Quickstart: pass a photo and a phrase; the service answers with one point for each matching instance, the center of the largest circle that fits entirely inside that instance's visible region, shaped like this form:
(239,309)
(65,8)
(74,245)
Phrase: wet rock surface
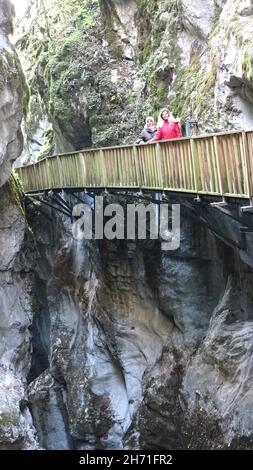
(147,350)
(16,427)
(121,61)
(110,345)
(11,96)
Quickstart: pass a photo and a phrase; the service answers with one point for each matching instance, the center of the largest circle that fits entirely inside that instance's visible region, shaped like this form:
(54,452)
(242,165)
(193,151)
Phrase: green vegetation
(147,7)
(159,53)
(33,303)
(48,146)
(6,420)
(11,73)
(25,88)
(193,88)
(248,67)
(71,80)
(82,12)
(69,72)
(86,86)
(16,192)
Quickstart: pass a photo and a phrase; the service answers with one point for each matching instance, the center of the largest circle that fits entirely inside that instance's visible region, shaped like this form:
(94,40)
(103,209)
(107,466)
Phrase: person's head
(149,122)
(165,114)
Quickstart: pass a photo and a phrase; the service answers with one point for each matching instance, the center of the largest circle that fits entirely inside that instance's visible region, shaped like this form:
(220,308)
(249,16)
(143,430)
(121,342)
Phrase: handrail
(88,149)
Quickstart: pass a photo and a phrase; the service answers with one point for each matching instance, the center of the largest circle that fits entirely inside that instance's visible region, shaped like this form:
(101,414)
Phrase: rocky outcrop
(16,428)
(105,331)
(120,61)
(197,17)
(89,98)
(11,96)
(199,59)
(132,347)
(203,401)
(218,384)
(120,17)
(147,350)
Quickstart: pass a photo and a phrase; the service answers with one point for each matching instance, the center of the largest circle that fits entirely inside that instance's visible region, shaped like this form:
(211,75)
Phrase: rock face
(144,349)
(218,383)
(231,45)
(121,16)
(202,61)
(123,345)
(132,347)
(11,96)
(119,61)
(105,330)
(84,85)
(206,398)
(16,428)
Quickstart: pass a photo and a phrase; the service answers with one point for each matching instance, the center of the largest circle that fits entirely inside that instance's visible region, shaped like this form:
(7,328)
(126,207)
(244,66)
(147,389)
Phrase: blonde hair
(171,117)
(160,119)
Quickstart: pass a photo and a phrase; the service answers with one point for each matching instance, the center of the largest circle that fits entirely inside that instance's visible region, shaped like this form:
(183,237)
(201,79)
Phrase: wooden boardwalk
(212,164)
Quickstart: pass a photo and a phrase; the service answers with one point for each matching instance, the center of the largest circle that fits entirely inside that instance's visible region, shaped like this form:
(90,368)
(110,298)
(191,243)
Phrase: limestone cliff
(11,96)
(84,87)
(136,348)
(16,428)
(97,68)
(110,345)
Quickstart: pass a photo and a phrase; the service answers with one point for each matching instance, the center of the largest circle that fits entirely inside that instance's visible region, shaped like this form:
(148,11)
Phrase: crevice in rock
(40,331)
(242,87)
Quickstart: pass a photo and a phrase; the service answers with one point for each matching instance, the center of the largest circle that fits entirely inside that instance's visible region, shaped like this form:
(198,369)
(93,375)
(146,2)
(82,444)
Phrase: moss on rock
(6,420)
(160,54)
(88,87)
(71,71)
(11,73)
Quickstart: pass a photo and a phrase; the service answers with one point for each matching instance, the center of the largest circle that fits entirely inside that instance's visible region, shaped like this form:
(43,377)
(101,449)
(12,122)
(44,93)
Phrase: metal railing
(213,164)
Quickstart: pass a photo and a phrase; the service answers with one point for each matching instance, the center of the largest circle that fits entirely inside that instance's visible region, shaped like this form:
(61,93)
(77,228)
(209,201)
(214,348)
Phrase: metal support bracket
(219,203)
(246,209)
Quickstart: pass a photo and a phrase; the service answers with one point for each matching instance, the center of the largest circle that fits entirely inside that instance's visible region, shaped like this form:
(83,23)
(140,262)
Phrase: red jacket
(169,130)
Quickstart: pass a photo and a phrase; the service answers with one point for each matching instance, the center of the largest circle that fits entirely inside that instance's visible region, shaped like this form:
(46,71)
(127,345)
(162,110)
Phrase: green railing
(212,164)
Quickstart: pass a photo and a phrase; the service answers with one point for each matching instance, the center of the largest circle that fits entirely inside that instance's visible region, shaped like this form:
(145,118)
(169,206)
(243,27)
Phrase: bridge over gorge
(217,164)
(213,171)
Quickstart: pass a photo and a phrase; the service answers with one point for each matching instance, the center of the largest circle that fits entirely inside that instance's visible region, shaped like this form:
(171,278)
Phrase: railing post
(82,168)
(159,161)
(60,171)
(216,152)
(19,172)
(195,163)
(103,168)
(48,173)
(248,184)
(138,181)
(33,179)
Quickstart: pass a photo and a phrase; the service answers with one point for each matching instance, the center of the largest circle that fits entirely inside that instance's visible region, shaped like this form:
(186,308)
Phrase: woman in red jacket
(169,128)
